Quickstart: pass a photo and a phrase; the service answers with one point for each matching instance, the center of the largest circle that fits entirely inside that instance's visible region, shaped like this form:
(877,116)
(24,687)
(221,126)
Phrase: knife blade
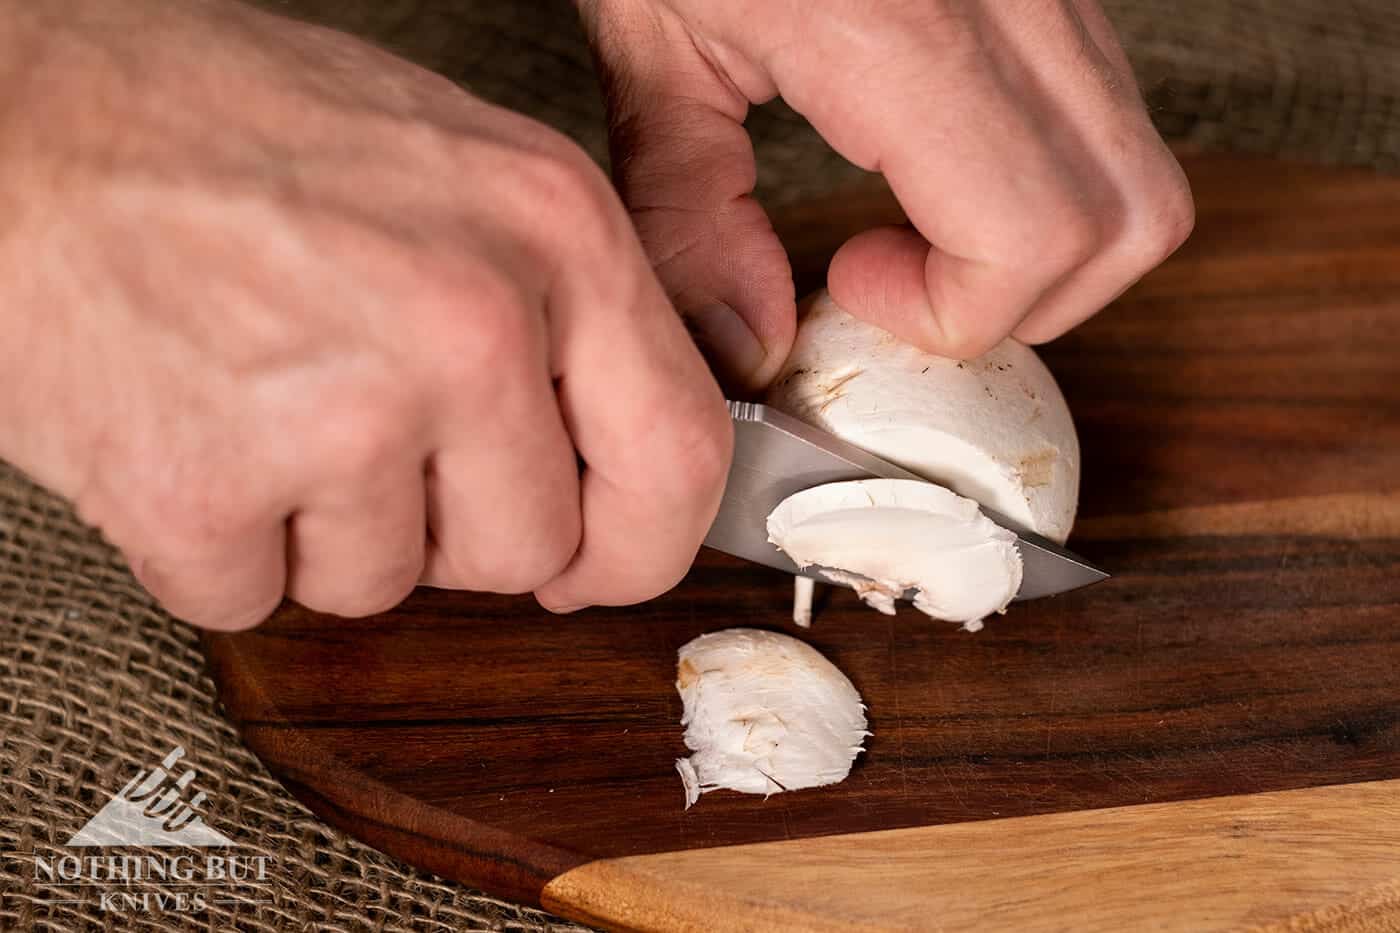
(775,455)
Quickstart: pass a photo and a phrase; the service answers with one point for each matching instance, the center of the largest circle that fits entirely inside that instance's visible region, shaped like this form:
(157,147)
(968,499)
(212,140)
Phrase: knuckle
(196,514)
(352,572)
(1071,243)
(366,599)
(551,557)
(702,447)
(358,437)
(535,562)
(372,590)
(1166,227)
(653,575)
(193,597)
(507,330)
(482,321)
(667,576)
(522,541)
(533,567)
(583,207)
(1044,252)
(522,567)
(240,620)
(638,574)
(561,176)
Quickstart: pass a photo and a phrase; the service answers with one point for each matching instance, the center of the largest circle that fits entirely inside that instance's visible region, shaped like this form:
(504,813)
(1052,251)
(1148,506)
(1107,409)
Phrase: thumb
(684,166)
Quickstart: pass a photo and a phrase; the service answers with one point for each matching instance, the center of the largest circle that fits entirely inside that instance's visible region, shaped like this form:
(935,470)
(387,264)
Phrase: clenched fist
(285,314)
(1011,131)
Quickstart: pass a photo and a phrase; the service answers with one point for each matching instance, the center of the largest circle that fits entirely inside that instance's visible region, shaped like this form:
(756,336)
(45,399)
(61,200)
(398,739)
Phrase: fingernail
(565,610)
(734,353)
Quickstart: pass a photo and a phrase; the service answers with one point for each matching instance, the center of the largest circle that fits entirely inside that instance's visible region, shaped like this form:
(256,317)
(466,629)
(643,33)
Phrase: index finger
(647,419)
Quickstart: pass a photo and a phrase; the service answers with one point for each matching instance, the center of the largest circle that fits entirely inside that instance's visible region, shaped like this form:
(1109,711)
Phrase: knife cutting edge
(776,455)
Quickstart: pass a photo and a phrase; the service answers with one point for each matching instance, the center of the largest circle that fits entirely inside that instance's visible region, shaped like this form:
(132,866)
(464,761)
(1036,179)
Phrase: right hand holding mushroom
(285,314)
(1013,135)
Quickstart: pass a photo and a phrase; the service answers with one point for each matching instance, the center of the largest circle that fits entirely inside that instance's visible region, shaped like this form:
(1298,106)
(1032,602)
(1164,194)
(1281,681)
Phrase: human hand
(1012,133)
(285,314)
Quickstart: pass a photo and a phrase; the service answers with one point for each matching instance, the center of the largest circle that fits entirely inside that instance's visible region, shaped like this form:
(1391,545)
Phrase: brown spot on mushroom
(686,674)
(1038,469)
(832,390)
(792,374)
(835,386)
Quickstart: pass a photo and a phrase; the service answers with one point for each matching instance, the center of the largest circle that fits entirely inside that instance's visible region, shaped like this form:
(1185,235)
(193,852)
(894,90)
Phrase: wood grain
(1239,414)
(1318,858)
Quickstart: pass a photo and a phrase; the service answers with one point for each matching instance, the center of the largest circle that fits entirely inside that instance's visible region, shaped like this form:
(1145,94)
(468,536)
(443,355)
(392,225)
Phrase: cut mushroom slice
(884,537)
(764,713)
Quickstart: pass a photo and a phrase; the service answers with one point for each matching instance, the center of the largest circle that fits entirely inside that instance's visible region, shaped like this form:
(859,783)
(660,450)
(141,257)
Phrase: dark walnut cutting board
(1209,740)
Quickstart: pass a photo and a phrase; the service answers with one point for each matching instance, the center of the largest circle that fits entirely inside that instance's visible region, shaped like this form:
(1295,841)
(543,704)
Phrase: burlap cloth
(95,680)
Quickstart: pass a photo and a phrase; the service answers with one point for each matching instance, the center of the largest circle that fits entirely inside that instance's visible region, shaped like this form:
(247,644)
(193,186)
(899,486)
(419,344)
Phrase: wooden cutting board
(1232,694)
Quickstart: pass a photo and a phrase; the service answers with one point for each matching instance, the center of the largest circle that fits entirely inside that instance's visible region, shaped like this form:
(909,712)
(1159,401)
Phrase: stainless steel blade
(775,455)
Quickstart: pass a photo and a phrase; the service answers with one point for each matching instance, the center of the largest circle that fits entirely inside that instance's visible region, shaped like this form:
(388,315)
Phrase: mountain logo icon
(150,811)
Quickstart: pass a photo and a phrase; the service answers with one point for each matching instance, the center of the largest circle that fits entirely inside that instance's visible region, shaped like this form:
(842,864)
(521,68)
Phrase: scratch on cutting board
(952,785)
(787,828)
(1123,775)
(1290,543)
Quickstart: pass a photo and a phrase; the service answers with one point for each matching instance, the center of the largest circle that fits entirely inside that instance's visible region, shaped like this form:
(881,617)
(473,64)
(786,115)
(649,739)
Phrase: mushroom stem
(802,590)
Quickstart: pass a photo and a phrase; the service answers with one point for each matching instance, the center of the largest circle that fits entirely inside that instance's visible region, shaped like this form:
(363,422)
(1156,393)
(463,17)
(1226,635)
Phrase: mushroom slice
(883,537)
(764,713)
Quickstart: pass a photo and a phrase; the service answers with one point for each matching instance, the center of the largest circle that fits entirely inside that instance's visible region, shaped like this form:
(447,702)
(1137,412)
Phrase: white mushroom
(994,429)
(885,536)
(764,713)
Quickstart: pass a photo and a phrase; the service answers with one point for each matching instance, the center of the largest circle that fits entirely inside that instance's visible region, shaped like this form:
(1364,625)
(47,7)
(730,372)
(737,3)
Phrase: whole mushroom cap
(994,429)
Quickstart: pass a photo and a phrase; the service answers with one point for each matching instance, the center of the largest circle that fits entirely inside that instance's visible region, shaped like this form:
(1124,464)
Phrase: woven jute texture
(1306,79)
(95,681)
